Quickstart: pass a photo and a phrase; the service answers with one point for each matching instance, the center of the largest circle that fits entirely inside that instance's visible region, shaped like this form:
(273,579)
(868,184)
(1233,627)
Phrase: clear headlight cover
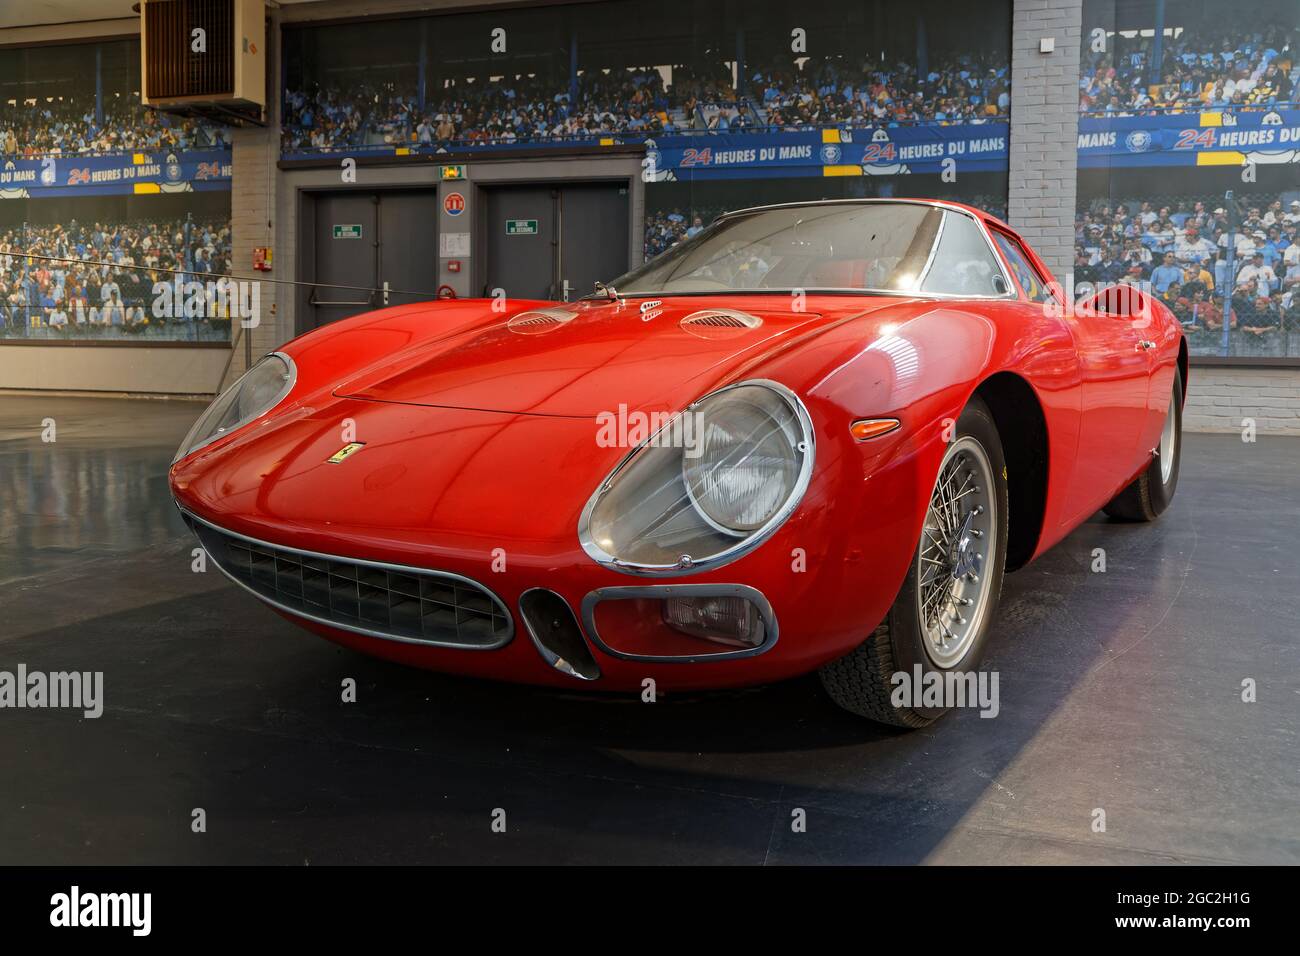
(709,486)
(256,392)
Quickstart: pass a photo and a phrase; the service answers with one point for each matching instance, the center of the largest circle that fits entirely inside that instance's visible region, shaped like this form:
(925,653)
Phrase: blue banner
(133,173)
(878,151)
(883,151)
(1190,139)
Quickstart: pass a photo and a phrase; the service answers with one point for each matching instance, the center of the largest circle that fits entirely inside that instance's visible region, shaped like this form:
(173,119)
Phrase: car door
(1114,373)
(1115,361)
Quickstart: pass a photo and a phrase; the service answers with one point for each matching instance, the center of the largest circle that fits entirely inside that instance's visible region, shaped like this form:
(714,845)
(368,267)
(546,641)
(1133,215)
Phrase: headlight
(256,392)
(706,488)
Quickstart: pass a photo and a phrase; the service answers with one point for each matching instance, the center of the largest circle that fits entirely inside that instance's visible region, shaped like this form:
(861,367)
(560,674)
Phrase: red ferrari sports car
(810,438)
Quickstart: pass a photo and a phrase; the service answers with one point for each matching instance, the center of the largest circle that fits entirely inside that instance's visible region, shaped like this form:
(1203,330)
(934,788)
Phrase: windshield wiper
(610,292)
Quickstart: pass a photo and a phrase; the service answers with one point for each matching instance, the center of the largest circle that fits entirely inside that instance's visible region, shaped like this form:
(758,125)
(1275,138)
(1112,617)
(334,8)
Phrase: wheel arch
(1182,367)
(1022,426)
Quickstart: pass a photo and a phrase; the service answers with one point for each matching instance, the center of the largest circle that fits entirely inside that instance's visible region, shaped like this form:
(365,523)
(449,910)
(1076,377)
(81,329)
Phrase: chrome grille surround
(388,601)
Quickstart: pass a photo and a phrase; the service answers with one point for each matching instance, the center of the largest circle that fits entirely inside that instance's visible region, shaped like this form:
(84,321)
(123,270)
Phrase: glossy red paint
(479,438)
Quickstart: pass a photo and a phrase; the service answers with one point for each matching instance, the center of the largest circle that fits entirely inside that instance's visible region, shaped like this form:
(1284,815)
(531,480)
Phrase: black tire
(860,682)
(1150,494)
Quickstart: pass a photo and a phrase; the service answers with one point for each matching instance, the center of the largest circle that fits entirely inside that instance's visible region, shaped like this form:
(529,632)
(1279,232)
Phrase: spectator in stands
(1196,277)
(1109,268)
(1191,246)
(1166,274)
(113,311)
(1083,269)
(1256,275)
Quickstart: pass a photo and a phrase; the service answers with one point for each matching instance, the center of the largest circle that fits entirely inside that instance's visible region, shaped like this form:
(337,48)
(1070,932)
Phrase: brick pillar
(1044,127)
(252,217)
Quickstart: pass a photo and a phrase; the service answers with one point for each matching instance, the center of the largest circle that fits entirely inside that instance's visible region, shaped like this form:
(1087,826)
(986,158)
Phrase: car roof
(941,203)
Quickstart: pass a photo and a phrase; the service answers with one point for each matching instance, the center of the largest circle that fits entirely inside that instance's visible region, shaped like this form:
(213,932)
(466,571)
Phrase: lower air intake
(388,601)
(556,634)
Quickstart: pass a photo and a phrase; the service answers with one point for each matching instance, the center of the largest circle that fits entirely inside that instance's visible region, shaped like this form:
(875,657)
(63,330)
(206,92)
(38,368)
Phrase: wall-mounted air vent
(203,55)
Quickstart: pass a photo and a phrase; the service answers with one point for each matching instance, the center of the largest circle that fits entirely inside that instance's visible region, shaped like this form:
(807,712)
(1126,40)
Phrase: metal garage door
(367,240)
(555,241)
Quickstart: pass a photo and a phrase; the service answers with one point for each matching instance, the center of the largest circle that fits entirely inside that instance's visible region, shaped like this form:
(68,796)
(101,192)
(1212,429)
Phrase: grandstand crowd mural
(105,203)
(108,279)
(735,105)
(69,124)
(1189,165)
(643,102)
(510,79)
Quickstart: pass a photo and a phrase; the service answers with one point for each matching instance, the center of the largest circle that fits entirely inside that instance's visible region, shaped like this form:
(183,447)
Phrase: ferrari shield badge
(346,452)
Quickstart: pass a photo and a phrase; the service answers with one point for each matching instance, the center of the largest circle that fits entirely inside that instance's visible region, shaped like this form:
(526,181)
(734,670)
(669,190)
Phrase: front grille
(400,603)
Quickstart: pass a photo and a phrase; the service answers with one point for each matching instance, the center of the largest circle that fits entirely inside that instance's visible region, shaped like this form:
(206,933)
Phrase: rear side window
(1035,285)
(963,262)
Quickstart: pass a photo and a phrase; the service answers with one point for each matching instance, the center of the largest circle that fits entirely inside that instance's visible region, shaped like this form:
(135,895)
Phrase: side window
(963,263)
(1034,285)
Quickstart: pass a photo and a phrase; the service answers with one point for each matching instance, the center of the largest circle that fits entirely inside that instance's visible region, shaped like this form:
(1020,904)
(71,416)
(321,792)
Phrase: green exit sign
(521,227)
(349,231)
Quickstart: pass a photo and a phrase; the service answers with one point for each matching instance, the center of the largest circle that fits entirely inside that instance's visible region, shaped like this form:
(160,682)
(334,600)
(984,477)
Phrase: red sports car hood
(580,359)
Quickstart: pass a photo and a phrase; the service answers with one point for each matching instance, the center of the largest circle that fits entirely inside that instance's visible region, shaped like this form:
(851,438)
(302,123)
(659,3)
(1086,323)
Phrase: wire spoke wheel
(942,616)
(953,559)
(1169,440)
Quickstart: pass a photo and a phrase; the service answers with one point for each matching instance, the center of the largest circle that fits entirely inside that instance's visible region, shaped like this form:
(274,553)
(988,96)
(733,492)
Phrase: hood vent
(539,321)
(719,323)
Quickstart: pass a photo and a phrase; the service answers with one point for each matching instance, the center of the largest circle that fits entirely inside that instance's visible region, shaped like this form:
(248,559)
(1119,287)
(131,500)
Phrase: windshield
(886,247)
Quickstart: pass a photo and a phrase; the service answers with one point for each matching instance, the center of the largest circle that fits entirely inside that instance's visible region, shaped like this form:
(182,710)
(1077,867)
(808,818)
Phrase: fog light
(733,621)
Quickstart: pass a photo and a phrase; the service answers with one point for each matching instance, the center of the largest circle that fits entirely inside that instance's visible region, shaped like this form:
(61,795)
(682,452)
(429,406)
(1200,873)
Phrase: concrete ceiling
(17,13)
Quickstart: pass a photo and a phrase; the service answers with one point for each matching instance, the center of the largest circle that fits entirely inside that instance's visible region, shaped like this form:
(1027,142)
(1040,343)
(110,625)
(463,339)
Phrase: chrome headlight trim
(185,452)
(742,546)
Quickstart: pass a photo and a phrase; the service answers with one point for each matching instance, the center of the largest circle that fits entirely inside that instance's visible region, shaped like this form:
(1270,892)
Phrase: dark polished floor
(1119,691)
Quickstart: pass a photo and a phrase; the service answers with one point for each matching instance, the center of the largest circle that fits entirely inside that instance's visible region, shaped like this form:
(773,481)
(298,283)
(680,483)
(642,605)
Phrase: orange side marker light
(866,428)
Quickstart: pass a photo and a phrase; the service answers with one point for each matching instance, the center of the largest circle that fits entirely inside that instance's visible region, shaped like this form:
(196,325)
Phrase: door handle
(1144,344)
(312,300)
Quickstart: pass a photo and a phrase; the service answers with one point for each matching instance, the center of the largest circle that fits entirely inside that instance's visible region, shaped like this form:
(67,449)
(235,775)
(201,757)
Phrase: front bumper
(449,621)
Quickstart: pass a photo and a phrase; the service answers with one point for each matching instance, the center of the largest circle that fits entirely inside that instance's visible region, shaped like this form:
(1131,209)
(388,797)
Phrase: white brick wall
(252,224)
(1044,127)
(1219,399)
(254,182)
